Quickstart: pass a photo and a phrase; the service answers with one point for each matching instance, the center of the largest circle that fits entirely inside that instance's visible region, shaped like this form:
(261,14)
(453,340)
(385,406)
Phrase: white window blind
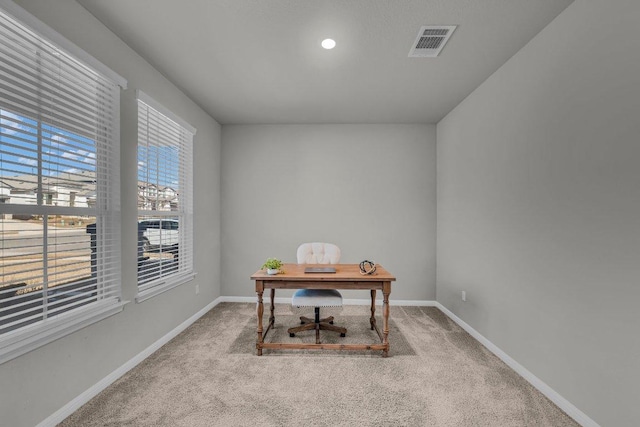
(165,199)
(59,190)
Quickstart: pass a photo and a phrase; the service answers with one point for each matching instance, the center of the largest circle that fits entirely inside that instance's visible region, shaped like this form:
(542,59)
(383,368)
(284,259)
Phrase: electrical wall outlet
(464,295)
(197,289)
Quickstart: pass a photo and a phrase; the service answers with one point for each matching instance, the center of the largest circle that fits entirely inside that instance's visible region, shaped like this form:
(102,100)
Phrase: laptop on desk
(319,269)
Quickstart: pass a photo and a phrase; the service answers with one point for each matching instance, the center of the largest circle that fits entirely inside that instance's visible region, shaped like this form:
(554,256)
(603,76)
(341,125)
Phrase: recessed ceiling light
(328,43)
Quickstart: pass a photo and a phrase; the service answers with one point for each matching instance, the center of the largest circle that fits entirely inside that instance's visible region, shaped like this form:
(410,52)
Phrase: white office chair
(317,253)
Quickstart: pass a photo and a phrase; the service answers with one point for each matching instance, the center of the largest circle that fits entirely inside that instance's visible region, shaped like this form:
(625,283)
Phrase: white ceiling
(260,61)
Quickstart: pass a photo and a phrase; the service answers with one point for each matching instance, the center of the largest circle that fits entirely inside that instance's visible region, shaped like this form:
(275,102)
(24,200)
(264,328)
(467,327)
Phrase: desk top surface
(344,272)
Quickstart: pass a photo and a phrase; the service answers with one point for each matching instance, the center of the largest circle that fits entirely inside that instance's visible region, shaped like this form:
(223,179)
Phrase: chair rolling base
(317,324)
(304,320)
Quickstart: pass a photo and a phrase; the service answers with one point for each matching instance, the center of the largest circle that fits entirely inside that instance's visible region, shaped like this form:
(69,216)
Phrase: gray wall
(39,383)
(370,189)
(539,208)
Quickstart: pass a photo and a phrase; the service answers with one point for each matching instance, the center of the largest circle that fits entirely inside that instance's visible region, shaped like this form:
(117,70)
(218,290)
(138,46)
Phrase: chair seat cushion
(316,298)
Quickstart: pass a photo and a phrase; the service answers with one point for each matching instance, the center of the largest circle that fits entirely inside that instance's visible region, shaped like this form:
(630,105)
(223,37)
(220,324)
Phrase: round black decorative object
(367,267)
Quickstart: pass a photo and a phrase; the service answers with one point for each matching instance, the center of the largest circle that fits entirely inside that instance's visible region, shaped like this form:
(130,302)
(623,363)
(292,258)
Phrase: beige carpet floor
(438,375)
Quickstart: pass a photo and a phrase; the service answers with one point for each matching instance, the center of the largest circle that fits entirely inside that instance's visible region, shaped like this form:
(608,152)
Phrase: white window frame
(22,340)
(184,145)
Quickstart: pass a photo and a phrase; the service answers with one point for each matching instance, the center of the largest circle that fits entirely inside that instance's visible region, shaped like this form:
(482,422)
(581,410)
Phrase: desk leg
(260,312)
(373,309)
(272,318)
(386,290)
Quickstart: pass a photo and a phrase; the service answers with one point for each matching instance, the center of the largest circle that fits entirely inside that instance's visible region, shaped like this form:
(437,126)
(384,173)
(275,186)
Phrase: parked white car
(159,235)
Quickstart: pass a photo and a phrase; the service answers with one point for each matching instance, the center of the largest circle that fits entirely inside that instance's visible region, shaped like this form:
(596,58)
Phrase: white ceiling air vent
(430,41)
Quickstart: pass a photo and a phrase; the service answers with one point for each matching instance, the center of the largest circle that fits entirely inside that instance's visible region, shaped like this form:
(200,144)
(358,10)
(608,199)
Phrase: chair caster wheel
(302,322)
(292,335)
(343,335)
(331,323)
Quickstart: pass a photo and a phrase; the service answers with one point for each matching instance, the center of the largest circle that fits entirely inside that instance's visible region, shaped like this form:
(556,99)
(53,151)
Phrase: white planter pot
(272,271)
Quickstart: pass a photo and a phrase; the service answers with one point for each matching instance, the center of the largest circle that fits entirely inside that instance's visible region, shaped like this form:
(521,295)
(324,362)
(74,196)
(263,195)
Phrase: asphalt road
(24,238)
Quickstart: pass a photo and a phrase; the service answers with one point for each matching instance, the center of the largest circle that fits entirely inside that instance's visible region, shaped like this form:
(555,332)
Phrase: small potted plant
(272,265)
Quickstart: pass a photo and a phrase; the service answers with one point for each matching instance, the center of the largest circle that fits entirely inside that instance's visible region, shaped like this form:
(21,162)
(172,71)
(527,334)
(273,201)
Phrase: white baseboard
(575,413)
(68,409)
(88,394)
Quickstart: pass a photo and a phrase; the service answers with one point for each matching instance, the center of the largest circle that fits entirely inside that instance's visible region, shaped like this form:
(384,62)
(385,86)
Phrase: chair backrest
(318,253)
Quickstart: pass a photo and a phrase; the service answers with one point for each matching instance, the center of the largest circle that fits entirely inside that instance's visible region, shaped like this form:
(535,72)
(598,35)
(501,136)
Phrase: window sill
(163,286)
(29,338)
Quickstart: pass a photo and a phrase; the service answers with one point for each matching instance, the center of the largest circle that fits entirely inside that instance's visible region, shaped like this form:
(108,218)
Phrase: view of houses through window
(47,222)
(48,192)
(165,252)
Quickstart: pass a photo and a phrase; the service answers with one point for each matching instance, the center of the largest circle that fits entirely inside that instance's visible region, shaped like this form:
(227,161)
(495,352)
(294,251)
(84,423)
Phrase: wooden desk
(347,276)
